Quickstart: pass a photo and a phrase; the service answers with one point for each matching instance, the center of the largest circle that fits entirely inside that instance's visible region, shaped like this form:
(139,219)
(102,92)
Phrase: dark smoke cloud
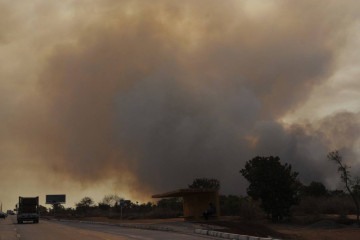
(155,95)
(306,145)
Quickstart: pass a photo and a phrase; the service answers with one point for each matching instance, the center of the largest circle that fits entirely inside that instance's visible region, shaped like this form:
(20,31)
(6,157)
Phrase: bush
(250,209)
(337,204)
(230,205)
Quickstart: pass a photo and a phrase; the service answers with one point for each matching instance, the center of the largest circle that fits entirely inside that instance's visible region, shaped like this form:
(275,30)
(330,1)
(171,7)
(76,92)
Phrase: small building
(195,201)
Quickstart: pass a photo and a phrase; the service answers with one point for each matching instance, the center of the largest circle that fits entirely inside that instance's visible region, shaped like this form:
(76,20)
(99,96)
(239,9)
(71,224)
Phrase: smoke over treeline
(155,93)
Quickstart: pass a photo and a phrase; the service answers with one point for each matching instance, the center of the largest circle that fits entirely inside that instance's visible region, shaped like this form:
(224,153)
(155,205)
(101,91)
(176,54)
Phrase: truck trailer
(28,209)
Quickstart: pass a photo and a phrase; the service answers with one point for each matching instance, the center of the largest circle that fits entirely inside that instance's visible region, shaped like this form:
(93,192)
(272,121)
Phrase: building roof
(184,192)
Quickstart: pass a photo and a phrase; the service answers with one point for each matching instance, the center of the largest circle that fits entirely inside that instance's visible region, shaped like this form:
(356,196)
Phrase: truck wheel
(20,222)
(36,221)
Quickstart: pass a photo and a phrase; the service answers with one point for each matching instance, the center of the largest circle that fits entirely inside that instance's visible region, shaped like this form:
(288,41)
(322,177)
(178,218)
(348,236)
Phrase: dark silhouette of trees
(85,202)
(315,189)
(356,188)
(42,210)
(276,185)
(171,203)
(230,205)
(84,205)
(205,183)
(351,184)
(111,200)
(57,208)
(337,192)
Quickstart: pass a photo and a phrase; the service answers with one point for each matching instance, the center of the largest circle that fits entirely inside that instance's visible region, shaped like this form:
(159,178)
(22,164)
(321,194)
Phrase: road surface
(51,230)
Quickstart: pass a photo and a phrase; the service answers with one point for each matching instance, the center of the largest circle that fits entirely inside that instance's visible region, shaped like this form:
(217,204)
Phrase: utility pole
(122,204)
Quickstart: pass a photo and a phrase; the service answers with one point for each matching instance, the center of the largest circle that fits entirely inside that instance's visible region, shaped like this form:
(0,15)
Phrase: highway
(53,230)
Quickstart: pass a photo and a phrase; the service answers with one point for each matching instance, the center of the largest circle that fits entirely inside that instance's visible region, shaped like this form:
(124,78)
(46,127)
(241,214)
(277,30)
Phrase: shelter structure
(195,201)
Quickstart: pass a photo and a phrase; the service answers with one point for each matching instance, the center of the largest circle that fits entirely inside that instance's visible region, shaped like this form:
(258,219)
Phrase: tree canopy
(111,200)
(205,183)
(275,184)
(85,202)
(315,189)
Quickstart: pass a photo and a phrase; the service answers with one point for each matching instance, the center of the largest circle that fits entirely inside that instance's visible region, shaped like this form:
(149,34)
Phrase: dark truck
(28,209)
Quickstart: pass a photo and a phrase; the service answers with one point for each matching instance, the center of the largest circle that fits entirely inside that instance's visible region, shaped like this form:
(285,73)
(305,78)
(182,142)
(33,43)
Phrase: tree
(110,200)
(57,208)
(315,189)
(84,205)
(171,203)
(85,202)
(205,183)
(351,184)
(276,185)
(356,188)
(336,193)
(230,205)
(42,210)
(103,206)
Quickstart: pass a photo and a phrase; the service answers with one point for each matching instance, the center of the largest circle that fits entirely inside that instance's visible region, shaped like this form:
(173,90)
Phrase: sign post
(55,200)
(121,208)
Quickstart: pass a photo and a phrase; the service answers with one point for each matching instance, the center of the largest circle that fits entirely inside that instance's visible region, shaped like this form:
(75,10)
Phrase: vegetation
(244,207)
(111,200)
(351,184)
(274,191)
(84,205)
(205,183)
(230,205)
(276,185)
(315,189)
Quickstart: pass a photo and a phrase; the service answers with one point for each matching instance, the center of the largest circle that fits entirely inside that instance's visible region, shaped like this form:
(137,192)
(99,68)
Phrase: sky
(136,98)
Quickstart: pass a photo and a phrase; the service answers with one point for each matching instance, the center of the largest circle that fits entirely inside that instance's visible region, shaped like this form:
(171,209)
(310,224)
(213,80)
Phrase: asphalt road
(51,230)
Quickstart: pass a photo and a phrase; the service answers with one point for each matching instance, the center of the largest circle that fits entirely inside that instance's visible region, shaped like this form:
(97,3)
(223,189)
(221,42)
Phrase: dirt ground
(306,233)
(246,228)
(325,229)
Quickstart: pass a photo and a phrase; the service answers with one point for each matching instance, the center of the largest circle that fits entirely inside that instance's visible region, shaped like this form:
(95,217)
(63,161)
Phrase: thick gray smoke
(157,94)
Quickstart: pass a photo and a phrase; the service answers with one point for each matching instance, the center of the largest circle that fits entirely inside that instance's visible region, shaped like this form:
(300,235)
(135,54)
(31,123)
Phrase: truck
(28,209)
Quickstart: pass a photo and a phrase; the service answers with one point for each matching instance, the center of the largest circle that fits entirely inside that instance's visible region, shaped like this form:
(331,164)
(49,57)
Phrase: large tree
(351,184)
(275,184)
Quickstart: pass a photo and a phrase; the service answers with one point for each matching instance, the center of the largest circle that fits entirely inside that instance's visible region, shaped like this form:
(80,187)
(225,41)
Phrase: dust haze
(150,95)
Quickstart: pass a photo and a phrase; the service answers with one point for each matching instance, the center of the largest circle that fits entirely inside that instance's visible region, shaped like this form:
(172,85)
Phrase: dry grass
(322,227)
(307,233)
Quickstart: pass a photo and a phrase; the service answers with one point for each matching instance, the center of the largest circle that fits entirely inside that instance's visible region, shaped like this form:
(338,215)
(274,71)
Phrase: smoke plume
(155,94)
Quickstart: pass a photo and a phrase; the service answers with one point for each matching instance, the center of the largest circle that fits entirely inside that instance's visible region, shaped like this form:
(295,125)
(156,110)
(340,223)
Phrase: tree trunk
(356,204)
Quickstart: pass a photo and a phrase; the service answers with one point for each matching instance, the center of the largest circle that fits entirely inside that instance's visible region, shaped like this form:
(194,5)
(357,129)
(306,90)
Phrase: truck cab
(28,209)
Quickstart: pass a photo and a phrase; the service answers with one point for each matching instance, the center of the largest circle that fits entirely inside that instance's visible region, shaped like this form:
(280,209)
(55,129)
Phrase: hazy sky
(141,97)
